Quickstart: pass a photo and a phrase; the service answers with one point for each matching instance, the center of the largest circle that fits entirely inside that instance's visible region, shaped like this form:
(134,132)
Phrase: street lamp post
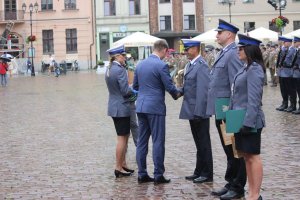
(31,7)
(229,2)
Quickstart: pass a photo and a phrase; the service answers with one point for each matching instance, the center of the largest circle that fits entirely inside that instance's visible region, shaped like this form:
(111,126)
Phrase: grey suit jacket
(195,88)
(119,91)
(247,91)
(287,69)
(221,76)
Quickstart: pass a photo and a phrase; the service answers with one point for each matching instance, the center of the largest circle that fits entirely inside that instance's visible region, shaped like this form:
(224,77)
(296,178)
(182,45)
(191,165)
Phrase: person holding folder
(246,94)
(222,73)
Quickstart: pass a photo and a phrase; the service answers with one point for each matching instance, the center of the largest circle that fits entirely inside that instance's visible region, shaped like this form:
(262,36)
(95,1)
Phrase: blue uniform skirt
(248,142)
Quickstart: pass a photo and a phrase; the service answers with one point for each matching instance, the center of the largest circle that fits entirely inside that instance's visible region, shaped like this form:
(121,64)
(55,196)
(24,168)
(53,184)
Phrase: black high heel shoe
(128,170)
(120,174)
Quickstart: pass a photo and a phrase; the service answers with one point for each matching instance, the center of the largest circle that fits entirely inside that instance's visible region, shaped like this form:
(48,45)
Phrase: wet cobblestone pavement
(57,143)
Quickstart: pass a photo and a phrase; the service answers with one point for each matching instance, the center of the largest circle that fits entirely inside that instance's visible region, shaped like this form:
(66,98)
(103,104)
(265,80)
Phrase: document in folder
(234,121)
(221,107)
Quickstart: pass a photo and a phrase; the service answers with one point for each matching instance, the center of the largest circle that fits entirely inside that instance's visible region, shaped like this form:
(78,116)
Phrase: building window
(109,7)
(248,1)
(70,4)
(296,0)
(189,22)
(71,40)
(188,0)
(164,1)
(165,23)
(249,26)
(48,47)
(47,4)
(296,25)
(134,7)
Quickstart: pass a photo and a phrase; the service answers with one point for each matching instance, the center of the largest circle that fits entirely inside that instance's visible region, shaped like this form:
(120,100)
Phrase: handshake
(177,95)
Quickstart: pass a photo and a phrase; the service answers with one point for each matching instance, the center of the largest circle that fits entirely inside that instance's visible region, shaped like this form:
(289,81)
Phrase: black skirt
(248,142)
(122,125)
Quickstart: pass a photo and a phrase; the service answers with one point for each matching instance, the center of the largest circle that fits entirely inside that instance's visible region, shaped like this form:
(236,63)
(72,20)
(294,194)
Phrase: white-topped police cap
(187,43)
(296,39)
(245,40)
(116,50)
(285,39)
(226,26)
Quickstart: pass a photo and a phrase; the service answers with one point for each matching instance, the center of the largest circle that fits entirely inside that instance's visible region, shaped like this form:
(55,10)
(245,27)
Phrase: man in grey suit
(195,88)
(222,74)
(152,79)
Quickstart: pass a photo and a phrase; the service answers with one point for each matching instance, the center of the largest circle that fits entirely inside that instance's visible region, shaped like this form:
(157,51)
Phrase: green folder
(221,106)
(234,121)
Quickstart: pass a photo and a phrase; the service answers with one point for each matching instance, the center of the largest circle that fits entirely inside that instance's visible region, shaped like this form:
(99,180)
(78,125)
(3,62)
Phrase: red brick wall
(153,16)
(199,15)
(177,15)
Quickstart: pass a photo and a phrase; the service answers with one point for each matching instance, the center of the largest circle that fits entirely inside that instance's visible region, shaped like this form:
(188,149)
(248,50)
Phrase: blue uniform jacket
(296,71)
(195,88)
(287,69)
(221,76)
(152,79)
(119,91)
(247,91)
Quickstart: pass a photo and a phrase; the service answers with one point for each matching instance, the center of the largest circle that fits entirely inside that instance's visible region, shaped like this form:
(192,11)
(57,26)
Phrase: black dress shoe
(192,177)
(202,179)
(290,109)
(160,180)
(120,174)
(230,194)
(296,112)
(219,192)
(145,179)
(128,170)
(282,107)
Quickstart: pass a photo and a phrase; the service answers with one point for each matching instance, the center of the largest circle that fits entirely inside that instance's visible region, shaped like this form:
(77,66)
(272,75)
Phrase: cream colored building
(116,19)
(63,29)
(250,14)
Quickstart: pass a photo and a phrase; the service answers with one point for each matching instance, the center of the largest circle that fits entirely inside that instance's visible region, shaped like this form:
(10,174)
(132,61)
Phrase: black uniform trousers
(204,160)
(292,91)
(284,89)
(236,170)
(297,85)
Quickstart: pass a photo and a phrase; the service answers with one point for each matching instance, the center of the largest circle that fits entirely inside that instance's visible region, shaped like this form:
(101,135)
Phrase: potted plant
(30,39)
(100,63)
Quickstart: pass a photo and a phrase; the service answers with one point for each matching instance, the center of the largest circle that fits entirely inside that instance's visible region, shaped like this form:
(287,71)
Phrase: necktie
(187,67)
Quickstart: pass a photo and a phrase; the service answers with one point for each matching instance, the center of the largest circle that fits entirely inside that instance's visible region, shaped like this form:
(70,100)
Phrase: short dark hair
(159,45)
(254,54)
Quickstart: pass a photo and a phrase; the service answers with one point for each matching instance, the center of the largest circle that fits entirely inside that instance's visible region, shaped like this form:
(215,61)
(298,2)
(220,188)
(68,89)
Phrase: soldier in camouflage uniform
(209,56)
(272,65)
(265,54)
(180,70)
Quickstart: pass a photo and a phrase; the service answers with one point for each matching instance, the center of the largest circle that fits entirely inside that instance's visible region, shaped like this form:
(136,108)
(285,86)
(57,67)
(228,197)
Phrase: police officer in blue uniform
(195,88)
(286,75)
(247,92)
(119,106)
(222,73)
(296,71)
(152,79)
